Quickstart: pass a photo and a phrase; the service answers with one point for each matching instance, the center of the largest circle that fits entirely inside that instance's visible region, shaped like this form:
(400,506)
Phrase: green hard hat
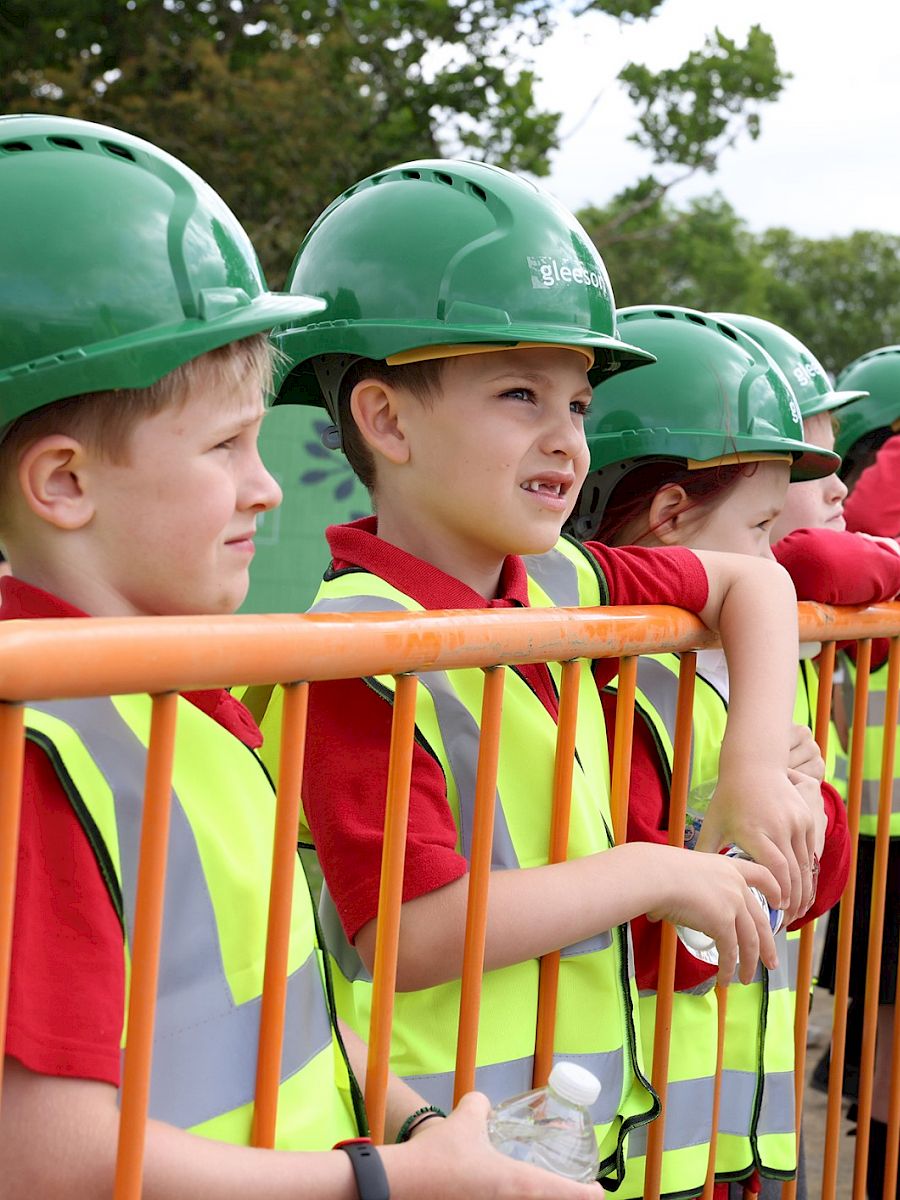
(118,264)
(879,373)
(713,392)
(445,252)
(808,378)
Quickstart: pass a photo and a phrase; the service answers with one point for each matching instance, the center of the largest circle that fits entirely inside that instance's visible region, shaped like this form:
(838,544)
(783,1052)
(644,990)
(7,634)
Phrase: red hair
(633,495)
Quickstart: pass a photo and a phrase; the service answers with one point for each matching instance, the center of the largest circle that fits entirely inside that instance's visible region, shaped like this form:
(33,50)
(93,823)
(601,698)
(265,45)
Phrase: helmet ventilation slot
(12,147)
(65,143)
(118,151)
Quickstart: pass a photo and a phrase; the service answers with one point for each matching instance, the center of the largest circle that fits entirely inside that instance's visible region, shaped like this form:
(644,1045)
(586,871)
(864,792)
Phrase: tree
(700,256)
(839,295)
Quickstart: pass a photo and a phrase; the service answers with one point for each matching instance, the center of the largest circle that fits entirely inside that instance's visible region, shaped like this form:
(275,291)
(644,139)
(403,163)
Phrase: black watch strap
(371,1181)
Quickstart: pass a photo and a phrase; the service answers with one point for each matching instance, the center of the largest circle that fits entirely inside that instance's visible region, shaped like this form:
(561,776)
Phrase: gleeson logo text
(546,272)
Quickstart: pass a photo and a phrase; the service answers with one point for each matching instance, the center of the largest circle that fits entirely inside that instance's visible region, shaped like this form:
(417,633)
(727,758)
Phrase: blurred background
(737,156)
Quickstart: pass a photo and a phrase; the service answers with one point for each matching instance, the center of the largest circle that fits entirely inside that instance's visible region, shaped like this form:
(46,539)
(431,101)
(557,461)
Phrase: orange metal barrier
(164,656)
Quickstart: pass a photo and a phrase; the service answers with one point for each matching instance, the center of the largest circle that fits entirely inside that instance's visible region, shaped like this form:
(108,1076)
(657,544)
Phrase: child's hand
(710,892)
(453,1158)
(760,810)
(810,789)
(804,754)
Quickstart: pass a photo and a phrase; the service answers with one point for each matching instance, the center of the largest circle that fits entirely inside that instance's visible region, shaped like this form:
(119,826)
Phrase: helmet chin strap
(595,493)
(330,370)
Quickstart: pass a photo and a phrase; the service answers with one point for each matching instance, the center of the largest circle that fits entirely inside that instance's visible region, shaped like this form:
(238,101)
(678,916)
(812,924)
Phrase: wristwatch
(371,1181)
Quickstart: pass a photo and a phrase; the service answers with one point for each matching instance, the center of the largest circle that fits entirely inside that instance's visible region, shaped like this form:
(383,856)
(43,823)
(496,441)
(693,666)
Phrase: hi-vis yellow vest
(872,749)
(756,1118)
(214,925)
(597,998)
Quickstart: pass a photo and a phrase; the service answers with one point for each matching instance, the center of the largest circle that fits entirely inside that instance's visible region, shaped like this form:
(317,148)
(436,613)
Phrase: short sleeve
(344,790)
(67,986)
(652,575)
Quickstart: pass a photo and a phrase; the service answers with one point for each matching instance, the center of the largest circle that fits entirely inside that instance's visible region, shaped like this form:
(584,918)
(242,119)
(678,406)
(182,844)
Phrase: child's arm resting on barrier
(753,605)
(539,909)
(834,566)
(58,1139)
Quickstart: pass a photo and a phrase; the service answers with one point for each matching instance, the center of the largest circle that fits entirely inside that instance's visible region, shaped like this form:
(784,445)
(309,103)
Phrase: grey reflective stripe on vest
(776,1114)
(460,734)
(660,685)
(871,789)
(689,1104)
(205,1045)
(556,576)
(500,1080)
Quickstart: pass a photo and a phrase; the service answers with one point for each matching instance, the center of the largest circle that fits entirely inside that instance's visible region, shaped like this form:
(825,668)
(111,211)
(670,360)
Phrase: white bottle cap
(575,1084)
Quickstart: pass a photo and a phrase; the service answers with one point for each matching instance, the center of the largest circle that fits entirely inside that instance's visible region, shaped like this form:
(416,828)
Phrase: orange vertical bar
(665,986)
(876,922)
(12,753)
(893,1130)
(722,1003)
(148,918)
(622,740)
(390,899)
(563,767)
(801,1023)
(845,927)
(479,881)
(281,895)
(807,934)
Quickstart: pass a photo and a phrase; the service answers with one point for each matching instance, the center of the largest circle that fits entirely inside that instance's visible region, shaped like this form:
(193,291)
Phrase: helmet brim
(809,461)
(379,341)
(830,401)
(138,360)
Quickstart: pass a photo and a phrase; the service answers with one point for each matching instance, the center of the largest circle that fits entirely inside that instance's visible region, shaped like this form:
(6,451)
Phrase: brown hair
(104,420)
(422,379)
(632,496)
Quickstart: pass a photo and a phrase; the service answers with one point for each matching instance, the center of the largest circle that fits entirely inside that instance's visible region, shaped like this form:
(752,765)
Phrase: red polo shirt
(348,739)
(67,987)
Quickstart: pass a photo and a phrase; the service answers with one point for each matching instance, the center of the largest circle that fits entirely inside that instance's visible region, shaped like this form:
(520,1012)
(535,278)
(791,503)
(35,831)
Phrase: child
(697,451)
(859,568)
(468,318)
(131,393)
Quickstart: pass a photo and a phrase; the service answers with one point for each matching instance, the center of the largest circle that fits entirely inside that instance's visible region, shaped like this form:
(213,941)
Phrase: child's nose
(263,490)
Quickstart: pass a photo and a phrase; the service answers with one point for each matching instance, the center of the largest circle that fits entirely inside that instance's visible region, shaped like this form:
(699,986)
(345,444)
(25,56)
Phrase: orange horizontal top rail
(114,656)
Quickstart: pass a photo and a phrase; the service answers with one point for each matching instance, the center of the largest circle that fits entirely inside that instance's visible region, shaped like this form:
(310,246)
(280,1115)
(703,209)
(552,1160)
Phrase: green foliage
(690,113)
(839,295)
(701,256)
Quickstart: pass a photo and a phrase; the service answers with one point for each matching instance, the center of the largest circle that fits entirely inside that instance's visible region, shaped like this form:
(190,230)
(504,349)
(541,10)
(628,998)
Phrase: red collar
(358,545)
(20,600)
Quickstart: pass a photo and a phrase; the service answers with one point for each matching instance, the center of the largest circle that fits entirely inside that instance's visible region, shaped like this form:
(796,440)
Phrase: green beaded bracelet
(416,1118)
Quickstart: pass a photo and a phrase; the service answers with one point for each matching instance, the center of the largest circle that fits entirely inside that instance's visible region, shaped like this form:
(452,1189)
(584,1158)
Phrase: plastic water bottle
(551,1127)
(702,946)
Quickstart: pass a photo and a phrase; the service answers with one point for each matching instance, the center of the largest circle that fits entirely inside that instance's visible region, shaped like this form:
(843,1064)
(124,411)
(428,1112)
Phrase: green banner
(319,490)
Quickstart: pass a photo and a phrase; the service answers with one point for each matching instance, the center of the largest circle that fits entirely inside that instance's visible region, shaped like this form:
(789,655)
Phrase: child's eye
(227,444)
(580,407)
(522,393)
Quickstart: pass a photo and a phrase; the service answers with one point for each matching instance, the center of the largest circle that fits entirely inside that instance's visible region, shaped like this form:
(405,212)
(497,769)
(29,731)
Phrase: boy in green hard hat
(133,367)
(468,319)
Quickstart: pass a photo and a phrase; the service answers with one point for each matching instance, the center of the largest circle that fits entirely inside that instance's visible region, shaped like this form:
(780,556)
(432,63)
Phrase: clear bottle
(552,1126)
(702,946)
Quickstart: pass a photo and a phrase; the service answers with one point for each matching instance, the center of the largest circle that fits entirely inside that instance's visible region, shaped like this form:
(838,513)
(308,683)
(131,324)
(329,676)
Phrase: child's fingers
(760,877)
(727,946)
(748,934)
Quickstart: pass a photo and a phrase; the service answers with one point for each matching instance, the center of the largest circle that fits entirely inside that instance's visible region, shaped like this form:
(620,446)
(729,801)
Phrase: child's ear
(377,412)
(52,478)
(667,508)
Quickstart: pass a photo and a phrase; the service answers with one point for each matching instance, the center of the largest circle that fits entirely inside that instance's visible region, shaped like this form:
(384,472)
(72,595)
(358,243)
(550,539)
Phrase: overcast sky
(828,158)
